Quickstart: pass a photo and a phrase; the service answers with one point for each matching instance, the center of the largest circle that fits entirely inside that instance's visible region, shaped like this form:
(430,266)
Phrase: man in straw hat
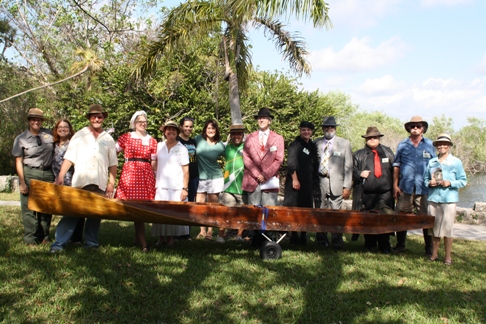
(33,152)
(263,155)
(373,183)
(95,172)
(411,159)
(335,173)
(233,175)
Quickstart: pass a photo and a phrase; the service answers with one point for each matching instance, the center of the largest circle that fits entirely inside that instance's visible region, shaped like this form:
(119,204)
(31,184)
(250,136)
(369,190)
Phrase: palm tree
(88,62)
(195,19)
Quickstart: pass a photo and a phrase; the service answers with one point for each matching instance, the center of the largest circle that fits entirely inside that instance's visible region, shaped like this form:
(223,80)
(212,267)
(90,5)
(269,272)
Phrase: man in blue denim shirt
(411,159)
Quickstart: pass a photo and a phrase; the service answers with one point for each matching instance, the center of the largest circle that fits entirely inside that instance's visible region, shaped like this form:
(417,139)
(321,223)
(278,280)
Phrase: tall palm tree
(195,19)
(88,62)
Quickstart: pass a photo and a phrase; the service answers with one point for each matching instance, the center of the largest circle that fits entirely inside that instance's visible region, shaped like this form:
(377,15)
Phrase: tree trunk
(234,99)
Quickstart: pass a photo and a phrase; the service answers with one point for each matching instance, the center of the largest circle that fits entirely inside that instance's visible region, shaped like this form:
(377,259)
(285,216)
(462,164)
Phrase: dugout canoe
(62,200)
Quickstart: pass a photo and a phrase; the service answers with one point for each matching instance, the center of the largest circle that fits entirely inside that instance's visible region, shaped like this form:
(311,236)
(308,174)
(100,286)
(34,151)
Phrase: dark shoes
(398,249)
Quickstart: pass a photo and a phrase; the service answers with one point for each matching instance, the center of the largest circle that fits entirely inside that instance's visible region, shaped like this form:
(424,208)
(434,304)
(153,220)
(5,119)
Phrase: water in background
(474,192)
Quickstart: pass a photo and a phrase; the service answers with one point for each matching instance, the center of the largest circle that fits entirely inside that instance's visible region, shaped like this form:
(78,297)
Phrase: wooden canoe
(62,200)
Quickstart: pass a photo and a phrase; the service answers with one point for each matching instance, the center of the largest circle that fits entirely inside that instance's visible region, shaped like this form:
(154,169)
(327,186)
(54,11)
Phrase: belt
(43,168)
(324,176)
(136,160)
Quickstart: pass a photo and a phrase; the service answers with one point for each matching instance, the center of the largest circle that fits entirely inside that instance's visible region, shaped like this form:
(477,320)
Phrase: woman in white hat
(444,176)
(137,180)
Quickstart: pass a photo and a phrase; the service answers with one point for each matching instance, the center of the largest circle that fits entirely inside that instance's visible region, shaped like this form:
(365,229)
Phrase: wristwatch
(185,189)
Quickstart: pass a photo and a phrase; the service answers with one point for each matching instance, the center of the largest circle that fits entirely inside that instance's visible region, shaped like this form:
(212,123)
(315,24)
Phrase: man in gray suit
(336,174)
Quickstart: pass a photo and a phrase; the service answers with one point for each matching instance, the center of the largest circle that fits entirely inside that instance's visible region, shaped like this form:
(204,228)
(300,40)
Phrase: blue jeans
(67,225)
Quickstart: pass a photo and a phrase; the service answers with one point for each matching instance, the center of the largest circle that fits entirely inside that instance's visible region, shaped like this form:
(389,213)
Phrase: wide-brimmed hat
(306,124)
(443,138)
(329,121)
(96,109)
(237,129)
(372,131)
(35,113)
(264,112)
(170,123)
(415,120)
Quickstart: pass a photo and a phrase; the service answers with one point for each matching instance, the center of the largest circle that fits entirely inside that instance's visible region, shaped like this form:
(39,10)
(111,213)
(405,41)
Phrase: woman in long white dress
(172,179)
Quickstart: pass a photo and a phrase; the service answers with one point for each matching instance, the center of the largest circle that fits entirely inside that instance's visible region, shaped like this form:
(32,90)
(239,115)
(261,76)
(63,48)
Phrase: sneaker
(220,239)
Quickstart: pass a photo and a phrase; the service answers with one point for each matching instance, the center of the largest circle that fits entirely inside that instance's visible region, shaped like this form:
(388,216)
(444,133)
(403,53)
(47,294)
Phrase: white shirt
(92,157)
(169,166)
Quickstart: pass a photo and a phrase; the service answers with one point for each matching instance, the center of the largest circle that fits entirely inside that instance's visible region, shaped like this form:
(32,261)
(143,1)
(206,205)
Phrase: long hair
(214,123)
(54,131)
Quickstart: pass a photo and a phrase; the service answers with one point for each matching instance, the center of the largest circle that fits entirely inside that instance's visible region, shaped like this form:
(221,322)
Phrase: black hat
(306,124)
(264,112)
(329,121)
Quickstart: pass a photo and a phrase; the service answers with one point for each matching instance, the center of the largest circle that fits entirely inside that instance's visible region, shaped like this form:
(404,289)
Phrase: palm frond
(191,19)
(291,46)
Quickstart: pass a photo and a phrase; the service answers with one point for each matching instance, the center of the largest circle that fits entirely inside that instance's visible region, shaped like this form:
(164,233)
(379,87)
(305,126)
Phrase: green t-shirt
(233,169)
(207,158)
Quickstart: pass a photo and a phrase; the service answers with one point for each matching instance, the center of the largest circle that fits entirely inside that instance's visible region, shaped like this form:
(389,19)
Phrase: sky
(400,57)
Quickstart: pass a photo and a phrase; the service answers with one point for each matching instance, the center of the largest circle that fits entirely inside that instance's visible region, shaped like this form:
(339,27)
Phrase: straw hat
(237,129)
(170,123)
(415,120)
(443,138)
(35,113)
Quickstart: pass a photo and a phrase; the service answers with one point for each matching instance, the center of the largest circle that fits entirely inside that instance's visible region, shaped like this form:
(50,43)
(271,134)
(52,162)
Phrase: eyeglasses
(142,122)
(96,117)
(419,126)
(373,138)
(39,141)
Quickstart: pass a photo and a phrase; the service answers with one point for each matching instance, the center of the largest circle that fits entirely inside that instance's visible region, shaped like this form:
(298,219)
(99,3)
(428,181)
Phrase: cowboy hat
(96,109)
(372,131)
(415,120)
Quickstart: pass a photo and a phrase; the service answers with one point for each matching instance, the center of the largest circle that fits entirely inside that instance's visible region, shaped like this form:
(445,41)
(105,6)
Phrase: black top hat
(264,112)
(329,121)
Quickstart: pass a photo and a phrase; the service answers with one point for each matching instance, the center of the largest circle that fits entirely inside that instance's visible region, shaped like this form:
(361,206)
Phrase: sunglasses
(39,141)
(96,117)
(416,126)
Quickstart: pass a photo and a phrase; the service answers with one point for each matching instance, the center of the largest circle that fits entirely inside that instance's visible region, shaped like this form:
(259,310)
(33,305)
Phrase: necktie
(324,167)
(262,146)
(377,163)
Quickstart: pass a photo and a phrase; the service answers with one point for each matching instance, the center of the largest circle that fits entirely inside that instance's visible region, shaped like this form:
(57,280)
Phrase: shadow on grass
(229,283)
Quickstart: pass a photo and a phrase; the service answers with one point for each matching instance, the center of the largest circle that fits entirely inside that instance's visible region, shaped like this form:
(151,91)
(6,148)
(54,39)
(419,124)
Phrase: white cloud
(432,97)
(359,13)
(482,65)
(446,3)
(358,55)
(381,86)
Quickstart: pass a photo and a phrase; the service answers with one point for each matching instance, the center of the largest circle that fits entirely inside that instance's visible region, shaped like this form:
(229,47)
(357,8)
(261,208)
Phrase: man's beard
(329,135)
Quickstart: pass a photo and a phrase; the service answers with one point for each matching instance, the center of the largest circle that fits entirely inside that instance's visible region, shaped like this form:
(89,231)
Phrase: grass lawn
(10,196)
(207,282)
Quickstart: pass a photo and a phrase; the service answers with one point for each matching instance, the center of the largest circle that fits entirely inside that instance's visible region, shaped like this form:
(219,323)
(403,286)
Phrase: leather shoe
(398,249)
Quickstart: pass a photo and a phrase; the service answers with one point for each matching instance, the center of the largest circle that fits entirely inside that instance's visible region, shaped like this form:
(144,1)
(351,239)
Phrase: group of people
(321,173)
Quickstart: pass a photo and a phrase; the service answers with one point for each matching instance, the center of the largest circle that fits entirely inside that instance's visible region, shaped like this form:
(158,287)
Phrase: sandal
(209,237)
(200,236)
(448,263)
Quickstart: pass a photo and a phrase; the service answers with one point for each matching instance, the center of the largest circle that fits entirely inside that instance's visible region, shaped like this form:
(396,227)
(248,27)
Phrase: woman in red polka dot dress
(137,180)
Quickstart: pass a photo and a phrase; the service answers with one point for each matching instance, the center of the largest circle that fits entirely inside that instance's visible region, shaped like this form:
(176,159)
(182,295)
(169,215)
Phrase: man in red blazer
(263,154)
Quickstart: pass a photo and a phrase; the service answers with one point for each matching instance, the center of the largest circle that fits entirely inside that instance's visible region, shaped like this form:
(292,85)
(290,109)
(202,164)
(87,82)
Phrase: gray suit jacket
(340,164)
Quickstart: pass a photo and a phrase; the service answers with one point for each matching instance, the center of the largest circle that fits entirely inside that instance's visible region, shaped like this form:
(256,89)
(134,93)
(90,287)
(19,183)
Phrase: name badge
(306,151)
(426,155)
(384,160)
(336,153)
(273,149)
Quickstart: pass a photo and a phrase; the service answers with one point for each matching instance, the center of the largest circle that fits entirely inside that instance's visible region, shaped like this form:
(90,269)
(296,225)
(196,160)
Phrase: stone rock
(479,207)
(9,183)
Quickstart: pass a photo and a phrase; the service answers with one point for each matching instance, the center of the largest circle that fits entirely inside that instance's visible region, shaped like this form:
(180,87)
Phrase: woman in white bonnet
(137,179)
